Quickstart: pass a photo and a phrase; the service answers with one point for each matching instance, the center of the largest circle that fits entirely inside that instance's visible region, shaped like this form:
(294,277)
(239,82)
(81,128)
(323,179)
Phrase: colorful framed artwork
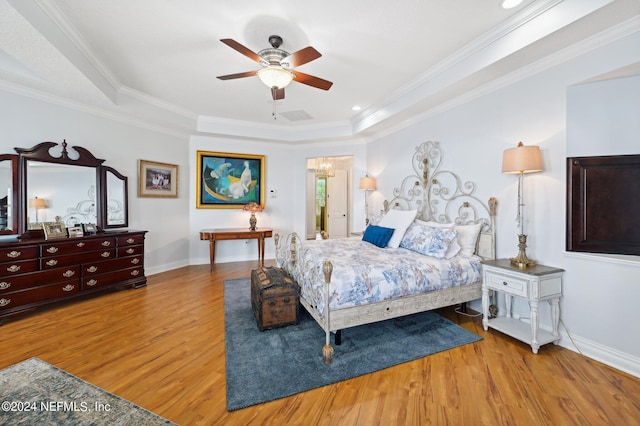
(229,181)
(157,179)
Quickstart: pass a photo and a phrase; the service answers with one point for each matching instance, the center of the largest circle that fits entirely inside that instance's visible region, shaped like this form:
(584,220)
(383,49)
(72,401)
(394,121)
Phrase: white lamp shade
(277,77)
(523,159)
(37,203)
(367,183)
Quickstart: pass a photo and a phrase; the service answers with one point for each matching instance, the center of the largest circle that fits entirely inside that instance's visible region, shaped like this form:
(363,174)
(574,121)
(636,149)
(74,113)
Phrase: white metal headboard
(441,196)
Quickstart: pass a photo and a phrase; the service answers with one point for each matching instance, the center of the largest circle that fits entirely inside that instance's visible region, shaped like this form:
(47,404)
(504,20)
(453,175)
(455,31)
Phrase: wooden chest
(274,298)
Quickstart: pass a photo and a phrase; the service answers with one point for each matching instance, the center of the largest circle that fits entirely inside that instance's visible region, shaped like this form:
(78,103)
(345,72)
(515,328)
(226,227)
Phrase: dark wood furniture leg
(212,253)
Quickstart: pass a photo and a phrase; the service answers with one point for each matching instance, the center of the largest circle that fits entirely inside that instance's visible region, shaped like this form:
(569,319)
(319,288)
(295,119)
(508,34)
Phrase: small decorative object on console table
(521,160)
(535,284)
(253,208)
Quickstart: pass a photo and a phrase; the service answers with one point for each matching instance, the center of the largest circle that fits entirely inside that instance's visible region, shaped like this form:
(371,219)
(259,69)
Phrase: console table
(218,234)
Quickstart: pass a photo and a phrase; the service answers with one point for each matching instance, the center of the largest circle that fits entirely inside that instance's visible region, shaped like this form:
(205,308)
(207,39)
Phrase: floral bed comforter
(364,273)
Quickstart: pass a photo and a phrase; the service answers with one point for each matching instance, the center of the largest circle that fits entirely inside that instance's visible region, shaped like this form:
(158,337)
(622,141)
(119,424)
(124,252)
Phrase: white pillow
(468,238)
(399,220)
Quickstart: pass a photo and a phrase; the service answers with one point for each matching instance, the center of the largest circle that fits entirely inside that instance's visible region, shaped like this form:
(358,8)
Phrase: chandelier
(325,167)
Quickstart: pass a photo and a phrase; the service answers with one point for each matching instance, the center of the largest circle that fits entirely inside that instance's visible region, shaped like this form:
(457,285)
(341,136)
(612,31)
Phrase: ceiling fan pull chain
(275,117)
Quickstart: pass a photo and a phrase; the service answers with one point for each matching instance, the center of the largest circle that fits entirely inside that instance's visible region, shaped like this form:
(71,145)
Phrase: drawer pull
(80,244)
(13,268)
(68,287)
(4,302)
(135,272)
(92,282)
(52,250)
(505,283)
(130,251)
(69,273)
(135,260)
(13,254)
(106,254)
(272,302)
(52,262)
(92,268)
(4,285)
(106,243)
(130,241)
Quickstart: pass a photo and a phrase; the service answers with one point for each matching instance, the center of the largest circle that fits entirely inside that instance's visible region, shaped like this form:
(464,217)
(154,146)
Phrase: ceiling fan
(277,66)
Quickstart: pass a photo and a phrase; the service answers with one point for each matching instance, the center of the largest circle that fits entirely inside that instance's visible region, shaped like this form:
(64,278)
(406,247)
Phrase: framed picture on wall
(229,181)
(157,179)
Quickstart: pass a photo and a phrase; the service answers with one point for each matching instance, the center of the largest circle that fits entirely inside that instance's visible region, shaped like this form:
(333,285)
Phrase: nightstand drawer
(508,284)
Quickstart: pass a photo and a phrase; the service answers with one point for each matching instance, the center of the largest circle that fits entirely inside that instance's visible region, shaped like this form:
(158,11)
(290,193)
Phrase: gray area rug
(263,366)
(34,392)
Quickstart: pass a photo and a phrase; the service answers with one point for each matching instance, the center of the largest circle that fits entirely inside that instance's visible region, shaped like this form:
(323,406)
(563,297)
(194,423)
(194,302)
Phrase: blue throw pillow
(377,235)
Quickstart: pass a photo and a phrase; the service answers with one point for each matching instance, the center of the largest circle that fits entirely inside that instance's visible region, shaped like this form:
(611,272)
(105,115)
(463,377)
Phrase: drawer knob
(106,243)
(52,250)
(130,251)
(4,285)
(13,254)
(130,241)
(13,268)
(135,260)
(68,287)
(4,302)
(52,262)
(80,244)
(105,254)
(505,283)
(92,282)
(135,272)
(92,268)
(69,273)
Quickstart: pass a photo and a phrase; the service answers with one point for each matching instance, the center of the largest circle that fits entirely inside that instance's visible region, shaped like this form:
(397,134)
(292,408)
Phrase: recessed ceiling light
(356,108)
(509,4)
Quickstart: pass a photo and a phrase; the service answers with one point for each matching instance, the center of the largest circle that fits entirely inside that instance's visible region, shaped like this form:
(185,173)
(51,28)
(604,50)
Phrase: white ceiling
(155,62)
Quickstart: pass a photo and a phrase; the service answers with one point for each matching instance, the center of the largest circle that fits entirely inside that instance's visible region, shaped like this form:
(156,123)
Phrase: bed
(347,282)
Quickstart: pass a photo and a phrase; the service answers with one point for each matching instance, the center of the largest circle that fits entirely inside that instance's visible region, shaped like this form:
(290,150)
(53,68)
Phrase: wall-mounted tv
(603,204)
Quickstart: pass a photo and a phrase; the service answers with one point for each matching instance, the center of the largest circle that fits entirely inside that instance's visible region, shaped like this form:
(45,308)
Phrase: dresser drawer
(95,268)
(20,267)
(78,246)
(130,250)
(130,240)
(508,284)
(58,261)
(14,299)
(18,253)
(34,279)
(98,280)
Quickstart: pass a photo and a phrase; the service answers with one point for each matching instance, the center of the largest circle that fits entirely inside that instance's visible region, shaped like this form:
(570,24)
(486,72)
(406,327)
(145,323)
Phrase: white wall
(25,122)
(599,298)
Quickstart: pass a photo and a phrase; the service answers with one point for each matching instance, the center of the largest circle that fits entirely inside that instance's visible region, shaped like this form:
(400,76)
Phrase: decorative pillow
(468,238)
(399,220)
(377,235)
(454,247)
(428,240)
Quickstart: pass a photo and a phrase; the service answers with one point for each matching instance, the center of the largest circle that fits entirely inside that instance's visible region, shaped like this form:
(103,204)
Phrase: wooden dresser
(37,272)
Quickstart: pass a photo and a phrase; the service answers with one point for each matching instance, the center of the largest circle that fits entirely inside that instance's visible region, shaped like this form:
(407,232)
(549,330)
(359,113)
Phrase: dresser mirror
(68,185)
(8,194)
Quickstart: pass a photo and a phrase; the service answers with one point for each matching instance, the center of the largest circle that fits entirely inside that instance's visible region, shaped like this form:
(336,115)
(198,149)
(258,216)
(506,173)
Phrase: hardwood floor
(162,347)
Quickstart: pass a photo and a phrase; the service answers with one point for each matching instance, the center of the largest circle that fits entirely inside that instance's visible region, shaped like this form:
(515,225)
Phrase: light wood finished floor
(162,347)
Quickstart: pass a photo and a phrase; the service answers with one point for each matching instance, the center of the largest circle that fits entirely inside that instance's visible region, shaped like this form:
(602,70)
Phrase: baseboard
(601,353)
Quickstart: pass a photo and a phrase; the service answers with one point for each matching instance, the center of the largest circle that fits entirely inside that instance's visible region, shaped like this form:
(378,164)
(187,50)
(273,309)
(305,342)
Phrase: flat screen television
(603,204)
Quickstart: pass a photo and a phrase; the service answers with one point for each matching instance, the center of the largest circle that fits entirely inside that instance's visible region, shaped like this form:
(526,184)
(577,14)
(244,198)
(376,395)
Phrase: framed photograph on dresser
(54,230)
(75,231)
(229,181)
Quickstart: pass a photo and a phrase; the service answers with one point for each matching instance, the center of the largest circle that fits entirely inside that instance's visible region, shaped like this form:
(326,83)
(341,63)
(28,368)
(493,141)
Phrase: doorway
(328,197)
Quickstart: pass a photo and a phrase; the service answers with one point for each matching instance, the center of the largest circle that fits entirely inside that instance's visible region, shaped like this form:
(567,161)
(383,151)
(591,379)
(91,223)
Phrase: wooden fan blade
(312,81)
(242,49)
(277,94)
(238,75)
(300,57)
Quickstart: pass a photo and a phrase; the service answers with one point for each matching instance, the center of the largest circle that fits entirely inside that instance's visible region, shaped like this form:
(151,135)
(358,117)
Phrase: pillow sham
(467,235)
(454,247)
(427,240)
(377,235)
(399,220)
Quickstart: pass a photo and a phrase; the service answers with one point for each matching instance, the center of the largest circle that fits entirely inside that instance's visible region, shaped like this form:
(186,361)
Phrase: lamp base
(521,260)
(252,222)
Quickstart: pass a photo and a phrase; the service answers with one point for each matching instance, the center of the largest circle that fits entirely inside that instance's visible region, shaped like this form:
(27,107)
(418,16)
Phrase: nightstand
(535,284)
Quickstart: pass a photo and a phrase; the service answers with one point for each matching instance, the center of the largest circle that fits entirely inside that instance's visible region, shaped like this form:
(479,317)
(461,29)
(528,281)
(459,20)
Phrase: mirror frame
(14,194)
(41,152)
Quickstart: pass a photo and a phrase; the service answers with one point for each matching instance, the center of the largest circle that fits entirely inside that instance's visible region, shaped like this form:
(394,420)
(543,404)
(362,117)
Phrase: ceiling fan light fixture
(275,77)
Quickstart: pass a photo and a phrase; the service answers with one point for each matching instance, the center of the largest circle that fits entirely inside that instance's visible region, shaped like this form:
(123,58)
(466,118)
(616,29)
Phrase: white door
(337,204)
